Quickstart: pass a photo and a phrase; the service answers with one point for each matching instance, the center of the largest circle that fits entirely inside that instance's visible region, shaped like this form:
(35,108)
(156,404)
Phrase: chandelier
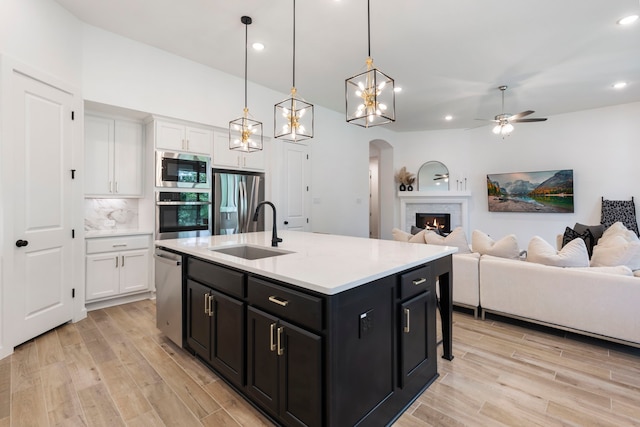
(293,117)
(370,96)
(245,134)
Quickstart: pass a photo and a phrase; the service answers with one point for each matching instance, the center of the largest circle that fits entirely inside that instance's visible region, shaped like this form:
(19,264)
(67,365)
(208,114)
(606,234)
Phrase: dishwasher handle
(168,257)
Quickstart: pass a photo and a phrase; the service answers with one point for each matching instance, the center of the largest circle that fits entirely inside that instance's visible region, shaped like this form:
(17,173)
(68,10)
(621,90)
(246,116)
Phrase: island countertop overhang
(324,263)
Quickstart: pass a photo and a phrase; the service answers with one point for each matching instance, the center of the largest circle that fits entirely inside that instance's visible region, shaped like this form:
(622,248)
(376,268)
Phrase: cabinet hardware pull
(187,144)
(279,301)
(206,303)
(280,349)
(110,187)
(272,344)
(119,245)
(244,161)
(123,260)
(211,302)
(419,281)
(116,261)
(407,316)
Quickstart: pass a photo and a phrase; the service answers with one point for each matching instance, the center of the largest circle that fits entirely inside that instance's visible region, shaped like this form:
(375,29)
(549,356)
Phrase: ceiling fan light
(497,129)
(628,20)
(507,129)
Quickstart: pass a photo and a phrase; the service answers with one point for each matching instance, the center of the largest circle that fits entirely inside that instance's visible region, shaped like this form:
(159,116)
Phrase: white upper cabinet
(113,157)
(174,136)
(225,158)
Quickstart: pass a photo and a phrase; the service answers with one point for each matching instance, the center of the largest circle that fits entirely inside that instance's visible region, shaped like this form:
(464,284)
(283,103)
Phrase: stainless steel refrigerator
(235,197)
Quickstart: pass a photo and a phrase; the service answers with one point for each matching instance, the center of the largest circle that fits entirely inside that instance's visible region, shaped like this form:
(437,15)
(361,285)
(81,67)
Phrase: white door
(40,279)
(297,173)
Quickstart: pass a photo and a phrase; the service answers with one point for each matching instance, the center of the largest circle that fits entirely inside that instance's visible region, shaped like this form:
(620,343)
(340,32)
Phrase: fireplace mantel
(446,200)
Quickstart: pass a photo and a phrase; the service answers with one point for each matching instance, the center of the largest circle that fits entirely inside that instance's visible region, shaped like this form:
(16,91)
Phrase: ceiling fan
(504,120)
(439,176)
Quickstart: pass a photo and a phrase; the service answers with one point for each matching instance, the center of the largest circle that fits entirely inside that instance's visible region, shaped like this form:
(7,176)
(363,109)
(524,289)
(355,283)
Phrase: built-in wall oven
(182,214)
(182,170)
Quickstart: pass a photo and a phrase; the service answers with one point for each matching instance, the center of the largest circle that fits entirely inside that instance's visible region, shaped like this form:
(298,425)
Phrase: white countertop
(324,263)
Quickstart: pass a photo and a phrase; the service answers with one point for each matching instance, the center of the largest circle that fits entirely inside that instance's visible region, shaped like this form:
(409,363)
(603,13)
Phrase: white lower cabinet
(117,266)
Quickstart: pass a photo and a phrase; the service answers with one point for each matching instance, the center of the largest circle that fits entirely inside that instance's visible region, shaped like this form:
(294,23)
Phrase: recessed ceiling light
(449,117)
(258,46)
(619,85)
(628,20)
(397,89)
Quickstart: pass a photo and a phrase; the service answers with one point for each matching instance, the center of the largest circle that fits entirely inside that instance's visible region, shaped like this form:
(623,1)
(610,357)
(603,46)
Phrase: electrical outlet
(109,222)
(366,323)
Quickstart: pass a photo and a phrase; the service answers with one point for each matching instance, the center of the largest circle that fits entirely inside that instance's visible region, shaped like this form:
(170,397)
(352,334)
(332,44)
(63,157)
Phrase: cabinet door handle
(419,281)
(122,260)
(211,303)
(280,348)
(110,186)
(244,161)
(116,261)
(278,300)
(238,160)
(272,342)
(116,186)
(206,303)
(407,317)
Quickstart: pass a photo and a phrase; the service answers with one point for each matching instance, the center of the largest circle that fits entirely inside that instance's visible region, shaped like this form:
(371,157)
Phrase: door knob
(286,223)
(21,243)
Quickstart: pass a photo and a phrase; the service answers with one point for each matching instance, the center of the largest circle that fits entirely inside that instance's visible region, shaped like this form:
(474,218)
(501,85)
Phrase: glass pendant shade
(370,98)
(245,134)
(293,119)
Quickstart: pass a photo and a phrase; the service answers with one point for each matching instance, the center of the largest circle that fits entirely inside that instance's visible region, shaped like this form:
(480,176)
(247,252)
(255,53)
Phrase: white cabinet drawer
(117,244)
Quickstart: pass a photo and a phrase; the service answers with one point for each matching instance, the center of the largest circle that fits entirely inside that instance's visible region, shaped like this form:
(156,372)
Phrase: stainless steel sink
(249,252)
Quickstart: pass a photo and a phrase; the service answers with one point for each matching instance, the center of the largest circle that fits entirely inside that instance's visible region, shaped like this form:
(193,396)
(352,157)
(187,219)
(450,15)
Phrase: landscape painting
(543,191)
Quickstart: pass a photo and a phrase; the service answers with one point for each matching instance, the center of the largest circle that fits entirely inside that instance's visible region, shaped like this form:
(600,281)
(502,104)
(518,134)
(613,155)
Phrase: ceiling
(449,56)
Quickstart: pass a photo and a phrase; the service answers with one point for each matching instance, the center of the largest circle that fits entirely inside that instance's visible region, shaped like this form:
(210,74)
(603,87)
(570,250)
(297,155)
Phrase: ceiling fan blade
(520,115)
(541,119)
(488,120)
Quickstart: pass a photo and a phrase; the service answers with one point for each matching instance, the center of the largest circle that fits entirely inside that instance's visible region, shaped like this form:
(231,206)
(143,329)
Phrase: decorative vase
(410,187)
(402,187)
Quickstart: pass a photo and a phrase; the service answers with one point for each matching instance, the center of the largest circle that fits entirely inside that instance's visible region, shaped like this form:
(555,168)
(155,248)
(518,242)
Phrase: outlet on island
(366,323)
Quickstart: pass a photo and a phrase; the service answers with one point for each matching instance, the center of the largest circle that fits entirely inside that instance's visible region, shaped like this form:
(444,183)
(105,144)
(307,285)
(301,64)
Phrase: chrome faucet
(274,233)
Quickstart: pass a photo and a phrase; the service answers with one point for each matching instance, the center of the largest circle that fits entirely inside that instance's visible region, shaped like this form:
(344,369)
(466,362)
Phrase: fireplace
(434,221)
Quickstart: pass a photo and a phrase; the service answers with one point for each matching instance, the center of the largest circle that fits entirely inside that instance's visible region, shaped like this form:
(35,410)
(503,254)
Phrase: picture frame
(540,191)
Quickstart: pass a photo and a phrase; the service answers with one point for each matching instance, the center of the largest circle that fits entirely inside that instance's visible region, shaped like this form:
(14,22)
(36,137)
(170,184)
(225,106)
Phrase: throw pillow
(586,236)
(507,247)
(573,254)
(416,230)
(455,238)
(418,238)
(596,230)
(616,250)
(618,229)
(400,236)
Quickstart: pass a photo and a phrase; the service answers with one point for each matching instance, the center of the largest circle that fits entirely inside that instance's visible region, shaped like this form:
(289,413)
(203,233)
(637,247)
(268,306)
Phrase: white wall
(121,72)
(600,145)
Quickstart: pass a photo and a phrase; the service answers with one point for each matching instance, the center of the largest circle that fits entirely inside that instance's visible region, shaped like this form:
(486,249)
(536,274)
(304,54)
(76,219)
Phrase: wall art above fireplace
(543,191)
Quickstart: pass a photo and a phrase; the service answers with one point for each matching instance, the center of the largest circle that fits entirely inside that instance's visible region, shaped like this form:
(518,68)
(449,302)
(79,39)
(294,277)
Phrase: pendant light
(370,96)
(245,134)
(293,117)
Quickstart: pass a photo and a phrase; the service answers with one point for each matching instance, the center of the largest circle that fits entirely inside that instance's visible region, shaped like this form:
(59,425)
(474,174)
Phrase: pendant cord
(369,26)
(294,43)
(246,44)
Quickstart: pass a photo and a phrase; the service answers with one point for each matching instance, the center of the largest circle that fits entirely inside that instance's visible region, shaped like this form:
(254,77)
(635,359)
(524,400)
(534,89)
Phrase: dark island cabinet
(215,330)
(284,369)
(358,357)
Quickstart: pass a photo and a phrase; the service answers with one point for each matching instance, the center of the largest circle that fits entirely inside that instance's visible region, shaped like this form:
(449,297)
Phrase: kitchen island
(325,330)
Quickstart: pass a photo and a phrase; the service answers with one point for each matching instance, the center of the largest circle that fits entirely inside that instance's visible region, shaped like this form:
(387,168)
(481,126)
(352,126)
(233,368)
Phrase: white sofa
(466,285)
(584,300)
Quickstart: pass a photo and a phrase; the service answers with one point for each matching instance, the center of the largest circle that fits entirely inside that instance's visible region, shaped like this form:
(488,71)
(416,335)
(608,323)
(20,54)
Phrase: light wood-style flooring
(115,368)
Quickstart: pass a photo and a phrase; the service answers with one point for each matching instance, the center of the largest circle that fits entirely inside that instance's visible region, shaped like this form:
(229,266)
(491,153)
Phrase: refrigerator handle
(242,207)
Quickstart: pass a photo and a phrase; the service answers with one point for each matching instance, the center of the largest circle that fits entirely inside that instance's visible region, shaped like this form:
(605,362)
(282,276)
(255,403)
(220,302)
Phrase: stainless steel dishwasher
(168,266)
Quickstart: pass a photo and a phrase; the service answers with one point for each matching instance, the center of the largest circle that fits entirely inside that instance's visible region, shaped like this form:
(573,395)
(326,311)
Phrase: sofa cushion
(507,247)
(400,236)
(573,254)
(416,230)
(586,235)
(455,238)
(621,270)
(418,238)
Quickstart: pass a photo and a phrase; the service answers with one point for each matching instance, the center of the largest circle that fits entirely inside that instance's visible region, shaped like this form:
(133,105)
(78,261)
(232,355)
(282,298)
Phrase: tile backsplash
(110,214)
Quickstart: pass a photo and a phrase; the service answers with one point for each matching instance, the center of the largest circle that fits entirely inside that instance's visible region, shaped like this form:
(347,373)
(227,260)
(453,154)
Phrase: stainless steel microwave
(182,170)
